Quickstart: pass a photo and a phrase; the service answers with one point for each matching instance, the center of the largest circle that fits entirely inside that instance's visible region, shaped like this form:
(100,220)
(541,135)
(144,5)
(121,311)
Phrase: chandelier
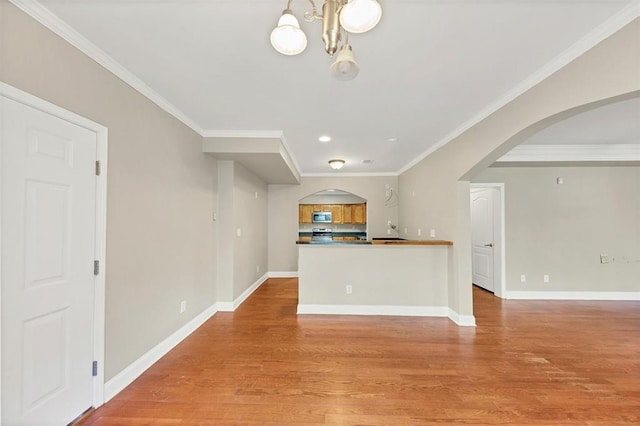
(352,16)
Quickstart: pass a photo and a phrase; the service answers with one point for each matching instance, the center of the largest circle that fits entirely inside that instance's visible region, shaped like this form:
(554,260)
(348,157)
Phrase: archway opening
(332,214)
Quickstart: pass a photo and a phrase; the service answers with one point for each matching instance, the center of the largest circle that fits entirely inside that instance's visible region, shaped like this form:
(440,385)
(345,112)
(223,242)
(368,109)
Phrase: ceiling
(428,70)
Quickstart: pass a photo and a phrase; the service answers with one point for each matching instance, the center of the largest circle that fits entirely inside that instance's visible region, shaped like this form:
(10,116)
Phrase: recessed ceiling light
(324,138)
(392,139)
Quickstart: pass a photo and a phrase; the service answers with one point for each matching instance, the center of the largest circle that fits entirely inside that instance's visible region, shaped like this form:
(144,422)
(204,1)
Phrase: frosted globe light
(287,38)
(345,67)
(359,16)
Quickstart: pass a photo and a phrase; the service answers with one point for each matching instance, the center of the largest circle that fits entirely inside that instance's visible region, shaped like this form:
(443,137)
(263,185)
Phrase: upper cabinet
(305,213)
(359,213)
(340,213)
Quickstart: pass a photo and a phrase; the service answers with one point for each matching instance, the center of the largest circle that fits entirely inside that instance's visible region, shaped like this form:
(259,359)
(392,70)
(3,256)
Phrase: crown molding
(269,134)
(338,174)
(555,153)
(600,33)
(47,18)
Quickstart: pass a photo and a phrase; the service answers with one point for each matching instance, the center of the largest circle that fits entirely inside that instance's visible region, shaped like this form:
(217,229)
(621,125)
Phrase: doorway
(488,236)
(53,228)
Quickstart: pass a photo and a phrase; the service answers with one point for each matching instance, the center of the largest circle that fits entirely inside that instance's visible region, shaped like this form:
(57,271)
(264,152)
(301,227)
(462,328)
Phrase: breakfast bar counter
(374,277)
(381,241)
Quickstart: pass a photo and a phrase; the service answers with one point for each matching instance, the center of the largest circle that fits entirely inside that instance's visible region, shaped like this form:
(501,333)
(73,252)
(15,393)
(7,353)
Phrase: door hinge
(94,368)
(97,168)
(96,267)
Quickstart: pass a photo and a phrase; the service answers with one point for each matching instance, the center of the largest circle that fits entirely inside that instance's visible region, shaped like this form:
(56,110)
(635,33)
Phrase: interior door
(482,237)
(48,246)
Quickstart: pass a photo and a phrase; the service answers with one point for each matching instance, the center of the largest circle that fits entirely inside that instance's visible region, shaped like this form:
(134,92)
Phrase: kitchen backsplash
(336,227)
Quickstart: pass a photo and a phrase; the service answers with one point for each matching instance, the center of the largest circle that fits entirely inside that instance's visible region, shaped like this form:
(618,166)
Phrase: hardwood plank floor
(527,362)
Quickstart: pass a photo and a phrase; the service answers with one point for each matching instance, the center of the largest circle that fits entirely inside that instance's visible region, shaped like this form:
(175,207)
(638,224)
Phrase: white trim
(232,306)
(462,320)
(339,174)
(394,310)
(261,134)
(595,152)
(500,290)
(284,274)
(574,295)
(603,31)
(139,366)
(43,15)
(101,132)
(225,306)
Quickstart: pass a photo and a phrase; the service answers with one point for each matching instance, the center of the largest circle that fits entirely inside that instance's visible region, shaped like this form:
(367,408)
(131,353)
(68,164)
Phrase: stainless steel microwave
(321,217)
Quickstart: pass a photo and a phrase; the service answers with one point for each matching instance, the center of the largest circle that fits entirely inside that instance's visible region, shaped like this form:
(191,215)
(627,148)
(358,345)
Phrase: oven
(322,234)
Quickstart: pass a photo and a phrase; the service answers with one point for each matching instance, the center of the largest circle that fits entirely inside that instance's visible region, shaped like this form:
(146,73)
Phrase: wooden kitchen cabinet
(354,214)
(305,213)
(336,212)
(359,213)
(340,213)
(347,213)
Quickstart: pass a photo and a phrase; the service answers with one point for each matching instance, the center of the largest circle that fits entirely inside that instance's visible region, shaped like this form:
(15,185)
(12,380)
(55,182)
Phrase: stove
(322,234)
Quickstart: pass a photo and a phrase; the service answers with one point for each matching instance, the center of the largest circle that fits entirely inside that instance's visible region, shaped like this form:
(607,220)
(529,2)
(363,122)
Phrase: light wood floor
(540,363)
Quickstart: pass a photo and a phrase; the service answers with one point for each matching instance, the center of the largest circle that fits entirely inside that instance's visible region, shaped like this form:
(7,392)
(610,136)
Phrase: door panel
(482,235)
(48,246)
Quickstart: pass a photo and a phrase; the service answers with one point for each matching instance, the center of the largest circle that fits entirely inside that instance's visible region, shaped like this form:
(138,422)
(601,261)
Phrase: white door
(482,237)
(48,249)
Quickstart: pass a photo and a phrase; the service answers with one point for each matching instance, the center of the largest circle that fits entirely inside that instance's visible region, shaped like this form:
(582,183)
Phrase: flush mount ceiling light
(324,138)
(336,164)
(350,16)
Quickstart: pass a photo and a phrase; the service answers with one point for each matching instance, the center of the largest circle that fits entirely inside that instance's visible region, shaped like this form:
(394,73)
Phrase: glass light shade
(287,38)
(336,164)
(345,67)
(359,16)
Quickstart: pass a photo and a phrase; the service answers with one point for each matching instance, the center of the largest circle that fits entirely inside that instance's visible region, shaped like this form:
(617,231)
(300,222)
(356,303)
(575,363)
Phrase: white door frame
(499,272)
(101,223)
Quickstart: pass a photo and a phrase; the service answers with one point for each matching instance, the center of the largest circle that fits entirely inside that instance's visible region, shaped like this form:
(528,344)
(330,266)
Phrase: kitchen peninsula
(374,277)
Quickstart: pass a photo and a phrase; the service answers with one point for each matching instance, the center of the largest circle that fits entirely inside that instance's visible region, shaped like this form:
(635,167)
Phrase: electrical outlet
(183,306)
(257,268)
(545,278)
(215,216)
(239,232)
(256,194)
(349,289)
(604,258)
(419,232)
(432,233)
(523,278)
(406,231)
(388,231)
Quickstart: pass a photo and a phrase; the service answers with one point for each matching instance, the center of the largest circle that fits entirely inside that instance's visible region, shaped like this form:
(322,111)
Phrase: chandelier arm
(308,16)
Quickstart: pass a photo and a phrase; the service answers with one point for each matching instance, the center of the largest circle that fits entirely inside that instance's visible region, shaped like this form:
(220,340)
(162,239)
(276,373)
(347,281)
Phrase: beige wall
(283,212)
(440,181)
(561,230)
(250,215)
(380,276)
(242,259)
(161,189)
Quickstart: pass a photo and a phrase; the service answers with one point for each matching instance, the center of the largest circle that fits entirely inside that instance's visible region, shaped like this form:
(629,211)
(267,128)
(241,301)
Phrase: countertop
(384,242)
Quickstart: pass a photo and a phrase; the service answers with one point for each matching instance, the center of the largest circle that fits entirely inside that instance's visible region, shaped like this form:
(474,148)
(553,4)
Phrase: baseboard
(573,295)
(284,274)
(412,311)
(462,320)
(139,366)
(232,306)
